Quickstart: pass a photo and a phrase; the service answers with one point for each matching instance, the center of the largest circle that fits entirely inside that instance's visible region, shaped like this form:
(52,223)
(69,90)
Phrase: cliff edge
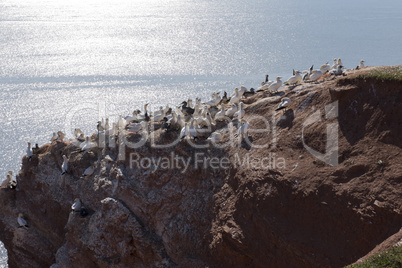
(286,196)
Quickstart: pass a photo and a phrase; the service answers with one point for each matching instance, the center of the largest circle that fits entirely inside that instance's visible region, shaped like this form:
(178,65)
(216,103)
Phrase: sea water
(67,64)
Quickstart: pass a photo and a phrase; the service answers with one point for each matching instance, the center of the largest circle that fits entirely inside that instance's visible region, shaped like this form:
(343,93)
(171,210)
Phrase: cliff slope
(291,197)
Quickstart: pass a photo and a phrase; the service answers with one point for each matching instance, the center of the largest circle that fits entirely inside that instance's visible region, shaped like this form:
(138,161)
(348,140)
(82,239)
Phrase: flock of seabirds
(191,119)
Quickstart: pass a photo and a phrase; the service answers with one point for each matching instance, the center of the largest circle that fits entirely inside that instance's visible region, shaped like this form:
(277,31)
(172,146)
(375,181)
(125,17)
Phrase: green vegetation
(393,73)
(391,258)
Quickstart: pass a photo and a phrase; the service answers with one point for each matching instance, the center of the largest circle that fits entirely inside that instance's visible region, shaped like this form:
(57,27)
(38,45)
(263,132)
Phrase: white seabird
(240,113)
(338,70)
(231,111)
(220,116)
(87,145)
(215,137)
(192,131)
(284,104)
(88,171)
(315,75)
(335,65)
(5,183)
(184,131)
(275,85)
(325,68)
(361,65)
(136,127)
(76,207)
(265,85)
(21,221)
(235,97)
(243,130)
(64,166)
(29,151)
(295,79)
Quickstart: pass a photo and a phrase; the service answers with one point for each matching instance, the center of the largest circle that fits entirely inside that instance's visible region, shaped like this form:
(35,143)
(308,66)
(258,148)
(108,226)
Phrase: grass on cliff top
(391,258)
(393,73)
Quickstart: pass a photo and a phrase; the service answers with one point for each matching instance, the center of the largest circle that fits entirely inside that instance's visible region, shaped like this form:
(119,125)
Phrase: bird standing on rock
(21,221)
(284,104)
(243,130)
(275,85)
(295,79)
(5,184)
(76,207)
(29,151)
(64,166)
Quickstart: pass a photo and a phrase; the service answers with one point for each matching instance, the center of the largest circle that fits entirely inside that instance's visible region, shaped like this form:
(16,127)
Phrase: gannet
(192,131)
(100,127)
(159,116)
(184,131)
(242,90)
(340,61)
(240,113)
(29,151)
(210,119)
(315,75)
(243,129)
(306,74)
(361,65)
(5,183)
(338,70)
(172,122)
(78,132)
(180,121)
(249,93)
(76,207)
(220,116)
(215,137)
(21,221)
(60,136)
(284,104)
(275,85)
(231,111)
(64,166)
(295,79)
(87,145)
(136,127)
(235,98)
(335,65)
(325,68)
(185,109)
(88,171)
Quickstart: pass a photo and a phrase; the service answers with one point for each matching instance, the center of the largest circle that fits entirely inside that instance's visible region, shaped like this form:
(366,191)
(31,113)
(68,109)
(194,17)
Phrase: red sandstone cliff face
(277,206)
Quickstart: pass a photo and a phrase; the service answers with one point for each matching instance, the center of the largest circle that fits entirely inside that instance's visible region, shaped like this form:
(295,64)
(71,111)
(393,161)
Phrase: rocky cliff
(290,197)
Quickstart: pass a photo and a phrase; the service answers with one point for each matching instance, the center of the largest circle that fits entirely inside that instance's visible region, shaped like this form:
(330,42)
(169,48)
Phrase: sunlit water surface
(67,64)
